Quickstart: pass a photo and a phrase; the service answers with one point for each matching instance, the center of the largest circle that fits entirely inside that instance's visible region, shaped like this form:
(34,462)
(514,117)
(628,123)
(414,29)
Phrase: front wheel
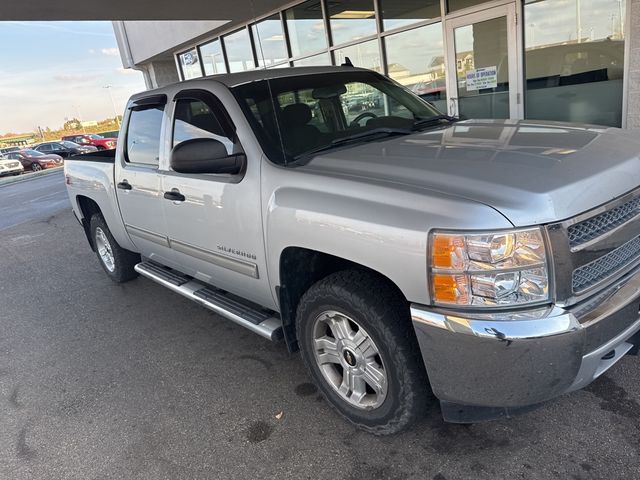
(117,262)
(359,348)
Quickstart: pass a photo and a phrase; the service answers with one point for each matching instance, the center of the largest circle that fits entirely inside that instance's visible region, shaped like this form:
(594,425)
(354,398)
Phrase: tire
(100,148)
(117,262)
(36,167)
(380,324)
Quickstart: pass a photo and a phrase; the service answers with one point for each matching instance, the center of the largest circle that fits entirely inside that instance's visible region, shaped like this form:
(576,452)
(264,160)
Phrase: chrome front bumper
(512,360)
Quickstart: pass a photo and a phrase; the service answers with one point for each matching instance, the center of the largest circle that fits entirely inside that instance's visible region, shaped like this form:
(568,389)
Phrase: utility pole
(115,112)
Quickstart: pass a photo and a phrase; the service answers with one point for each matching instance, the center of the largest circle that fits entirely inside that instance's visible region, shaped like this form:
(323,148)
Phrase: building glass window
(212,58)
(399,14)
(415,59)
(269,40)
(574,61)
(239,51)
(364,55)
(453,5)
(315,61)
(190,64)
(351,20)
(306,28)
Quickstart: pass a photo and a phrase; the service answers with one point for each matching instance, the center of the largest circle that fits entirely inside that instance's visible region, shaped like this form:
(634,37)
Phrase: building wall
(148,39)
(633,65)
(162,72)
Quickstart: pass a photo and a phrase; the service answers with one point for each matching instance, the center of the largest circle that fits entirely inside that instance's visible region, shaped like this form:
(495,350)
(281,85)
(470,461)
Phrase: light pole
(115,112)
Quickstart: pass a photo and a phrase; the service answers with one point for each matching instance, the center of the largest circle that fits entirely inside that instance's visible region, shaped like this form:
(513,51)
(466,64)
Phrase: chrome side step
(263,323)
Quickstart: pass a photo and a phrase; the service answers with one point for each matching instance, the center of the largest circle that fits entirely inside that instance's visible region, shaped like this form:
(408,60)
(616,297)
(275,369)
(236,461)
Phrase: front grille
(593,227)
(594,272)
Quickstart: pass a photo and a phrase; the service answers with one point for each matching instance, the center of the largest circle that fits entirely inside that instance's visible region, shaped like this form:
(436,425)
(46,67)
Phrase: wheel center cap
(349,357)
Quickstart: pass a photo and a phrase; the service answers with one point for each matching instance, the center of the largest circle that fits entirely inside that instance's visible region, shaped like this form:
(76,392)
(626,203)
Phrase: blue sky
(54,70)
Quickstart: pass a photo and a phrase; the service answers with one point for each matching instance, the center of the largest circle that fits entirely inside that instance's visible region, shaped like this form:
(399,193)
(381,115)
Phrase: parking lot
(99,380)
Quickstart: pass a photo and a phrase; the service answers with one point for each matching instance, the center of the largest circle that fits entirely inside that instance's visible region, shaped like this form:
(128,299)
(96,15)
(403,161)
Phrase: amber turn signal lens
(450,288)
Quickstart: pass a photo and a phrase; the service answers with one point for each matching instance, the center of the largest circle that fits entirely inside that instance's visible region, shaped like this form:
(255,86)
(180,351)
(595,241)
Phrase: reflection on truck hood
(532,172)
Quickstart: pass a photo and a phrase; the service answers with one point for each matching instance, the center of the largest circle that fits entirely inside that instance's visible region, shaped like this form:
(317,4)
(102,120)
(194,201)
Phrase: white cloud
(110,52)
(75,77)
(92,51)
(127,71)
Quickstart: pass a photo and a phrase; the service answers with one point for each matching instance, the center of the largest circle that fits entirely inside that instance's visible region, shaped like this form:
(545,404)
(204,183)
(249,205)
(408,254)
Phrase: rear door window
(143,135)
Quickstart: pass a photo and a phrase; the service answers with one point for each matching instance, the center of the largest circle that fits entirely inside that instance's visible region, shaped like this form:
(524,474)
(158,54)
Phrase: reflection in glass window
(306,28)
(212,58)
(315,61)
(398,14)
(239,52)
(351,20)
(269,40)
(194,119)
(364,55)
(143,135)
(190,64)
(574,64)
(415,59)
(454,5)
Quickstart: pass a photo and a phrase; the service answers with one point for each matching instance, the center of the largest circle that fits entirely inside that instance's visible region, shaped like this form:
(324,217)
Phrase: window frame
(145,103)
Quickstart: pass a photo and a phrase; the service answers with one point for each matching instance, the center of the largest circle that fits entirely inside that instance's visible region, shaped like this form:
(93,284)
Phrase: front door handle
(174,196)
(124,185)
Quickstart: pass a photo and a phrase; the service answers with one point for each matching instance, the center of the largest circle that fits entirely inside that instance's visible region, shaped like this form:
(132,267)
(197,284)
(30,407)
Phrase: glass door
(483,78)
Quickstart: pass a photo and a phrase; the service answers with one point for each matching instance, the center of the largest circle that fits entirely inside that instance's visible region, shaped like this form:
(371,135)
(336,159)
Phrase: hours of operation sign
(479,78)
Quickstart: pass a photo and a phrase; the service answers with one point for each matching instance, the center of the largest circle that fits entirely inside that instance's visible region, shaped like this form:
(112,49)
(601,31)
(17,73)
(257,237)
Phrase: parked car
(64,148)
(10,167)
(5,150)
(98,141)
(495,261)
(34,160)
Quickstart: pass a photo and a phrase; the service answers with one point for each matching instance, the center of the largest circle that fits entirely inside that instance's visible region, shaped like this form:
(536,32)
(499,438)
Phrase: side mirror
(205,155)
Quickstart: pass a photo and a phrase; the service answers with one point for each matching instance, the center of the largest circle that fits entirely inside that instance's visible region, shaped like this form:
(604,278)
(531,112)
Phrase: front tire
(117,262)
(360,350)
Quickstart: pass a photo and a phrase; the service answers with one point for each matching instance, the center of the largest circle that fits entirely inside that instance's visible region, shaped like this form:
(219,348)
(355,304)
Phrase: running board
(259,321)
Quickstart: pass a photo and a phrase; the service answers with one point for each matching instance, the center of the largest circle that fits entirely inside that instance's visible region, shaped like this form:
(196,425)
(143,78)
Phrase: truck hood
(532,172)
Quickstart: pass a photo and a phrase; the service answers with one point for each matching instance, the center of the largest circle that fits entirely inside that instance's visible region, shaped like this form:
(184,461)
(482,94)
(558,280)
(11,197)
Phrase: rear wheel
(36,167)
(360,349)
(116,261)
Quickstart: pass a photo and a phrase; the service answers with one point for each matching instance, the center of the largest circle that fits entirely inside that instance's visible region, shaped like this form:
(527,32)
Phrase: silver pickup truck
(493,264)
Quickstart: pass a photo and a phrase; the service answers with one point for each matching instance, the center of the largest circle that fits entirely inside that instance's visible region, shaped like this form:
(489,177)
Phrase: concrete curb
(25,177)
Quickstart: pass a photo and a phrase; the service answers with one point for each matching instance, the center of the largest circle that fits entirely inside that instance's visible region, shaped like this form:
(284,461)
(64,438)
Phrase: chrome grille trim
(594,227)
(604,267)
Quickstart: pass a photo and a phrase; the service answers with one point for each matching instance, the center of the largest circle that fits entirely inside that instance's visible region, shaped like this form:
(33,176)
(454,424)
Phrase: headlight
(490,269)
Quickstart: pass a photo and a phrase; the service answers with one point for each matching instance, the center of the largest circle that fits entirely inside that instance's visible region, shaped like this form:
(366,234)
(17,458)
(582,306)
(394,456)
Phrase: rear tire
(360,349)
(36,167)
(117,262)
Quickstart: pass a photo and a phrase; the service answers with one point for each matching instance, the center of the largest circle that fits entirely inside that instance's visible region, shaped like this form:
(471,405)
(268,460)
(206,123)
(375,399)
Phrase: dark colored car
(98,141)
(64,148)
(34,160)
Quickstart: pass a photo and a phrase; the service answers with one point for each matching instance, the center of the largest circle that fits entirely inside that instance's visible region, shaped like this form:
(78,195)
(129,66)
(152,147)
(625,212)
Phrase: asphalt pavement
(101,381)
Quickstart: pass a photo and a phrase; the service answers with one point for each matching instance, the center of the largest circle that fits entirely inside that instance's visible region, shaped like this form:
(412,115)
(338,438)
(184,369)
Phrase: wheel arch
(88,208)
(299,269)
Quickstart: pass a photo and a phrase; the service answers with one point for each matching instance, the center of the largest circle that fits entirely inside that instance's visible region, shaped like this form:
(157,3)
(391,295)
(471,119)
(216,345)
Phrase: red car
(34,160)
(98,141)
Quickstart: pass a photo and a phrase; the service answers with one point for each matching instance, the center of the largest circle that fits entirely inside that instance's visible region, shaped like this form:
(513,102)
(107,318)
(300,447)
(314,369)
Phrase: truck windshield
(296,117)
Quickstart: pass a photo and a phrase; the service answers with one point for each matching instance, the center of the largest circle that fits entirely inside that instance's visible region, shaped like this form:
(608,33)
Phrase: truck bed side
(90,180)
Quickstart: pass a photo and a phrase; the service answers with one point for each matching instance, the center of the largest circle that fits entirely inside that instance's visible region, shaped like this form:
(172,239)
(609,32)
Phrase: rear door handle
(174,196)
(124,185)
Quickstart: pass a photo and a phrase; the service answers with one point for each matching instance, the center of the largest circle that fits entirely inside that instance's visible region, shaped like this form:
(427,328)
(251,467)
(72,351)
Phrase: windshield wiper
(424,121)
(356,137)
